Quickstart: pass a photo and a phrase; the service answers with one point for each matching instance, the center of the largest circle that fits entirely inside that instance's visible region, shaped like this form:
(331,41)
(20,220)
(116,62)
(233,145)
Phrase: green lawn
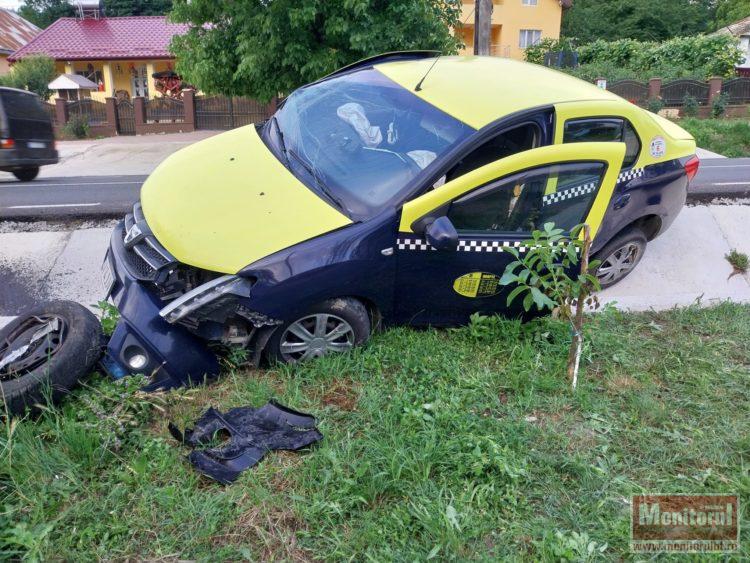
(728,137)
(446,444)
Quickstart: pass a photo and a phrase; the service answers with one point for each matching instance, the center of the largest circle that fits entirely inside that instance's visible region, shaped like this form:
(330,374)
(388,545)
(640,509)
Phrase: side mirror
(442,235)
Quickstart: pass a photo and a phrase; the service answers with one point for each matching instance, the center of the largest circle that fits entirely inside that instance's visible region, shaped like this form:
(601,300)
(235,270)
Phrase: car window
(20,105)
(605,130)
(522,138)
(561,194)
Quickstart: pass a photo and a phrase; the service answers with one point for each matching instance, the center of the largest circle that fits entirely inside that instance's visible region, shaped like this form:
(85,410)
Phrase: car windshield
(360,138)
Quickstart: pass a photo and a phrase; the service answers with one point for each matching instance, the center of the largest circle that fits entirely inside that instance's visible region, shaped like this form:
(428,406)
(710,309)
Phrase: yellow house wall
(116,74)
(509,17)
(4,65)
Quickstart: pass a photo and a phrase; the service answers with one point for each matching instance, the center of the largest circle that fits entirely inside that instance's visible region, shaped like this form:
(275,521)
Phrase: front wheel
(334,326)
(620,256)
(46,351)
(26,174)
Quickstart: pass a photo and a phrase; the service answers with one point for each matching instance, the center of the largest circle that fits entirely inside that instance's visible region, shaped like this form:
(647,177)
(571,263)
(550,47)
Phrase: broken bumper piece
(143,342)
(252,434)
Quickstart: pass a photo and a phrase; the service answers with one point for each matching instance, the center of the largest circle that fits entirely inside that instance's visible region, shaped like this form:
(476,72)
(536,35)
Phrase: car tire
(55,362)
(336,325)
(620,256)
(26,174)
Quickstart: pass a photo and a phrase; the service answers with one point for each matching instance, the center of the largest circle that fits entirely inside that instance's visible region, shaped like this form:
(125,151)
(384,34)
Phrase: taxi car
(385,193)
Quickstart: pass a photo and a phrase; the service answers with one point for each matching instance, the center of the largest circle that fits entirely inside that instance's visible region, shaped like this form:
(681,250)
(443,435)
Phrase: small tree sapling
(555,274)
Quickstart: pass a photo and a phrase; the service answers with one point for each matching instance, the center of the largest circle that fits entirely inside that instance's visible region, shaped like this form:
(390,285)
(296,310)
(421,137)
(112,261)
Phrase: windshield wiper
(280,135)
(318,182)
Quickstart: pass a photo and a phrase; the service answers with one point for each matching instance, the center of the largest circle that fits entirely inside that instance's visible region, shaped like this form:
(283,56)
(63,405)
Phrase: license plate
(35,145)
(108,276)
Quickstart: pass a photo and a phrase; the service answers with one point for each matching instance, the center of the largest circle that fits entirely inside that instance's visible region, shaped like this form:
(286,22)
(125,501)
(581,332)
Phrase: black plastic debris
(252,434)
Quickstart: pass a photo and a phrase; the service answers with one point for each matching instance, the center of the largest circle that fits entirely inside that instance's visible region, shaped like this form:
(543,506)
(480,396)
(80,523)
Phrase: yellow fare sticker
(477,284)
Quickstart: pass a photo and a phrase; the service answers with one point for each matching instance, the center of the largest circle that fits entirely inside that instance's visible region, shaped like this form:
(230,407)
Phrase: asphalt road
(69,198)
(113,196)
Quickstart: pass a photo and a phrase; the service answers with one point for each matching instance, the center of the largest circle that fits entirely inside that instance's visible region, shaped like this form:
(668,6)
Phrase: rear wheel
(620,256)
(26,174)
(334,326)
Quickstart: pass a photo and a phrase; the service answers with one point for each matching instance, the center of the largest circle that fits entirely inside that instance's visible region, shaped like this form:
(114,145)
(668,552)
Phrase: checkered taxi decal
(409,243)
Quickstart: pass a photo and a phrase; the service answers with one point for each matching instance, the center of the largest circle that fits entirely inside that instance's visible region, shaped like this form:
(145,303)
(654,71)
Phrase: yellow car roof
(479,90)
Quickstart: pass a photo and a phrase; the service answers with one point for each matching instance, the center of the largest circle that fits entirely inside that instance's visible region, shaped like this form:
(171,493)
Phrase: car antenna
(418,87)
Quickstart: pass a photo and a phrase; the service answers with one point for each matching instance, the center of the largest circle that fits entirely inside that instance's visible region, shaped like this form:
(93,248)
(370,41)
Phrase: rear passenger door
(493,208)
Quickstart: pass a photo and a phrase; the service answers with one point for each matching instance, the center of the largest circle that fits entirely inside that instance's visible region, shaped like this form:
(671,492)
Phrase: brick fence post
(188,100)
(714,88)
(61,112)
(111,109)
(273,105)
(654,89)
(139,112)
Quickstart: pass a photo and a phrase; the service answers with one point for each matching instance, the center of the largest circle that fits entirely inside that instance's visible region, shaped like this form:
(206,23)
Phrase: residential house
(741,30)
(15,32)
(120,55)
(516,24)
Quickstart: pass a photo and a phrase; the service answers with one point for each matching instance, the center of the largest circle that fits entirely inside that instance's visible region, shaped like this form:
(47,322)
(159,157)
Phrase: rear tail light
(7,143)
(691,167)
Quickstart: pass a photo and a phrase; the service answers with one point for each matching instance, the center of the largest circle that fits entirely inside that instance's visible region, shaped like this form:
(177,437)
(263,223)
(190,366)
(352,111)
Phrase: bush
(77,127)
(32,74)
(536,53)
(655,105)
(690,106)
(719,105)
(702,56)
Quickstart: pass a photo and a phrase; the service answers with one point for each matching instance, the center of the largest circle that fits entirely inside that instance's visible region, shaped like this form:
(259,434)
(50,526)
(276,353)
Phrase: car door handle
(622,201)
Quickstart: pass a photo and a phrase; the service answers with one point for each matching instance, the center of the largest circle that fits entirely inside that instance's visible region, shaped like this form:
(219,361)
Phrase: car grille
(147,260)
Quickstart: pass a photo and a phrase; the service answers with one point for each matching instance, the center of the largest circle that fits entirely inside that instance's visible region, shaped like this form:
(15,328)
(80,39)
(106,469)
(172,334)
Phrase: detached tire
(333,326)
(63,341)
(26,174)
(620,256)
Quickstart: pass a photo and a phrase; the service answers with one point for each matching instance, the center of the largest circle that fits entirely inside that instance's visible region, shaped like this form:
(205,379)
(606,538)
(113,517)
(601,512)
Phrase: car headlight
(206,293)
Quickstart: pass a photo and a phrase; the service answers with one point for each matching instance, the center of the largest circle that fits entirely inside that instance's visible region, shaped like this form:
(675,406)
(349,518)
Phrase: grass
(738,260)
(438,444)
(728,137)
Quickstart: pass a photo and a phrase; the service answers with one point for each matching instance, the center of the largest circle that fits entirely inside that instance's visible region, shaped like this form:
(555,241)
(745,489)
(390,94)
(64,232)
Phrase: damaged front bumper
(174,316)
(143,341)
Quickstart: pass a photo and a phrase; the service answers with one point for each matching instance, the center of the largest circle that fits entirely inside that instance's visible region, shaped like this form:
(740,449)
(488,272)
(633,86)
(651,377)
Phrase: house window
(529,37)
(529,2)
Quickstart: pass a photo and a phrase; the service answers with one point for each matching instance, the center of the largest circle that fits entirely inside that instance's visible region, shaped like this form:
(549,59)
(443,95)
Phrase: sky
(13,4)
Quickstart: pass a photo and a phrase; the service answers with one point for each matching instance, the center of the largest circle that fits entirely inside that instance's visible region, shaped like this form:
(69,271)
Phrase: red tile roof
(15,31)
(136,37)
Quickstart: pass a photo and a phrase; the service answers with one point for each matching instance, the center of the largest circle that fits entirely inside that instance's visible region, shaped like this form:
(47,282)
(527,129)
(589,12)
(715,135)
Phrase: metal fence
(95,112)
(632,90)
(674,93)
(737,90)
(165,110)
(125,117)
(51,112)
(220,112)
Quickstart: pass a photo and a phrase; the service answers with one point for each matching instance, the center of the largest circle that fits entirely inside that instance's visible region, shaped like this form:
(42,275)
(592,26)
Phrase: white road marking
(76,184)
(704,165)
(730,183)
(52,205)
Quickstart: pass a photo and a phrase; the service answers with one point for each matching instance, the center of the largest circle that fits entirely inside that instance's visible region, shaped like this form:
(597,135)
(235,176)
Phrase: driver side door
(487,211)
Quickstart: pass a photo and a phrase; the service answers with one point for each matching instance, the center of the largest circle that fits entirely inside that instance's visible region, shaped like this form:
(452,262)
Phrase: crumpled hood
(227,201)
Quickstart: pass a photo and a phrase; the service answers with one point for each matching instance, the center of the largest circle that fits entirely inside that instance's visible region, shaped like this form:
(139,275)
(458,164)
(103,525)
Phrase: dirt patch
(342,395)
(271,531)
(621,383)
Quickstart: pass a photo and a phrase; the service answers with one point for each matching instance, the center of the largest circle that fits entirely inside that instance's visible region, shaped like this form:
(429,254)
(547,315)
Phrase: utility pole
(482,26)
